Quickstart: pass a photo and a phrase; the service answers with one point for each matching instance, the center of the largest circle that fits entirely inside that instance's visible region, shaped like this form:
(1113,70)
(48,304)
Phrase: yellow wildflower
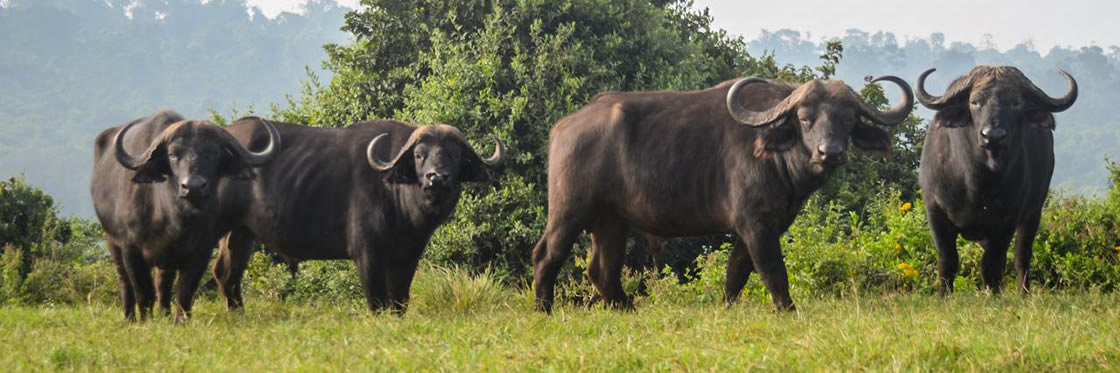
(904,208)
(910,272)
(904,266)
(897,247)
(1117,248)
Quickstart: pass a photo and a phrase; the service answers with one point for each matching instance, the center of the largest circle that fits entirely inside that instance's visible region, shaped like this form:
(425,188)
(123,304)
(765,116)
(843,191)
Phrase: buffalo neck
(174,216)
(966,164)
(420,215)
(798,174)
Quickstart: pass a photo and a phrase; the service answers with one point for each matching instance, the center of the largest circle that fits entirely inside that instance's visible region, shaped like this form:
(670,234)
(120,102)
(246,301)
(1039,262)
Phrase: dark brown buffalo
(986,167)
(158,207)
(739,159)
(373,192)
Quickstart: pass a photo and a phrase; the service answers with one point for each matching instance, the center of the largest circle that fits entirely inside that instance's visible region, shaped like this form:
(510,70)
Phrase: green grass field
(492,330)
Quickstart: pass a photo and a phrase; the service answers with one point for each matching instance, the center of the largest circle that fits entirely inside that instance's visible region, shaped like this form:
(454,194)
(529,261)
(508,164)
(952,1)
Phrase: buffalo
(373,192)
(986,166)
(736,158)
(159,208)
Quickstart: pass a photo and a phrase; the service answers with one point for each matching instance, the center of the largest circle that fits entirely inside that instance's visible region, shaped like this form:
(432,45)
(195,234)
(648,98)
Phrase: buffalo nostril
(193,183)
(830,150)
(434,177)
(993,134)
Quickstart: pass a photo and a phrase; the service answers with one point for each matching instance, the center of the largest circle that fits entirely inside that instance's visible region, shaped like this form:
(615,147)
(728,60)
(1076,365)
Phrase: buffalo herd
(739,158)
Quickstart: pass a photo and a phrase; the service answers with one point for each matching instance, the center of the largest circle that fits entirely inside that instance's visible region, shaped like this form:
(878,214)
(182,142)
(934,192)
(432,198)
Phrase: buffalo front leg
(165,280)
(739,268)
(372,274)
(608,241)
(945,239)
(398,280)
(1024,248)
(548,256)
(766,253)
(234,252)
(140,275)
(189,277)
(994,261)
(128,299)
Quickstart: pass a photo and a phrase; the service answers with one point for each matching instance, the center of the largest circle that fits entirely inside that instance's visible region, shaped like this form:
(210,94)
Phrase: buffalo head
(822,115)
(437,157)
(193,154)
(997,104)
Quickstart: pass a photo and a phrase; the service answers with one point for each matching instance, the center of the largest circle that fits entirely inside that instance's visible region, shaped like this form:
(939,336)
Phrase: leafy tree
(39,248)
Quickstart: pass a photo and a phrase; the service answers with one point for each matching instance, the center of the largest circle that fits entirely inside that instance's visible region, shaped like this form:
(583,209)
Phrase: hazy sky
(1009,22)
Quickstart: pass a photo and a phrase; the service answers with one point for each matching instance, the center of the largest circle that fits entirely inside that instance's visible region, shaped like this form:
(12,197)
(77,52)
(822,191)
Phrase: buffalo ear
(869,137)
(235,167)
(954,116)
(774,140)
(1041,119)
(404,170)
(473,169)
(155,167)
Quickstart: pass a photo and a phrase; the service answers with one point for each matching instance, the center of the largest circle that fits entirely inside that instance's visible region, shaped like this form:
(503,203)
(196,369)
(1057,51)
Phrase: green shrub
(47,258)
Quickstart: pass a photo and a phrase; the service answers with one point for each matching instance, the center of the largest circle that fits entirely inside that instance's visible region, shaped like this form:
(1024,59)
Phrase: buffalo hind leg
(165,280)
(234,252)
(189,277)
(608,240)
(765,252)
(995,259)
(548,256)
(945,239)
(739,268)
(1024,248)
(128,298)
(140,275)
(398,280)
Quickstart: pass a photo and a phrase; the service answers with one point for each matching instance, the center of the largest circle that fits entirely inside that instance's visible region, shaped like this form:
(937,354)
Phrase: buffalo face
(822,115)
(193,155)
(998,105)
(436,158)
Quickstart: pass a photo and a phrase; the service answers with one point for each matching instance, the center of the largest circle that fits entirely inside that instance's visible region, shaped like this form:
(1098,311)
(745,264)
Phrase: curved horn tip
(925,98)
(745,116)
(125,159)
(274,143)
(371,155)
(499,152)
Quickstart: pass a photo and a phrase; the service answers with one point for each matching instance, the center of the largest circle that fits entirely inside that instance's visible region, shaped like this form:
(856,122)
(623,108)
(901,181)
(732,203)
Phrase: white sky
(1046,23)
(271,8)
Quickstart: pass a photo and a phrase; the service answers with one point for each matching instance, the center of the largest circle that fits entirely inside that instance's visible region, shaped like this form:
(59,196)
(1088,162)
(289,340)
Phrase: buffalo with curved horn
(373,193)
(158,209)
(737,158)
(986,167)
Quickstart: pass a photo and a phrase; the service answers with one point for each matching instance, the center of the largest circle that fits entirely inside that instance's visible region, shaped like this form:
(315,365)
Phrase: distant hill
(70,68)
(1086,133)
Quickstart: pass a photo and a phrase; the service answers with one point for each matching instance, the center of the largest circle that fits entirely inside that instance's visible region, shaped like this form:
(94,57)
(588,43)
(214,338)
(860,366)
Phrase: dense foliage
(45,258)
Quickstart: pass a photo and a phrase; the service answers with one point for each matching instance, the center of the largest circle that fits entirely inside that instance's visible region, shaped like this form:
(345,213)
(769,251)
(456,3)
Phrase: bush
(47,258)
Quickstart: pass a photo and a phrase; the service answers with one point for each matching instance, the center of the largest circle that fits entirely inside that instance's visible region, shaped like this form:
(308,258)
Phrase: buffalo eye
(419,156)
(975,103)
